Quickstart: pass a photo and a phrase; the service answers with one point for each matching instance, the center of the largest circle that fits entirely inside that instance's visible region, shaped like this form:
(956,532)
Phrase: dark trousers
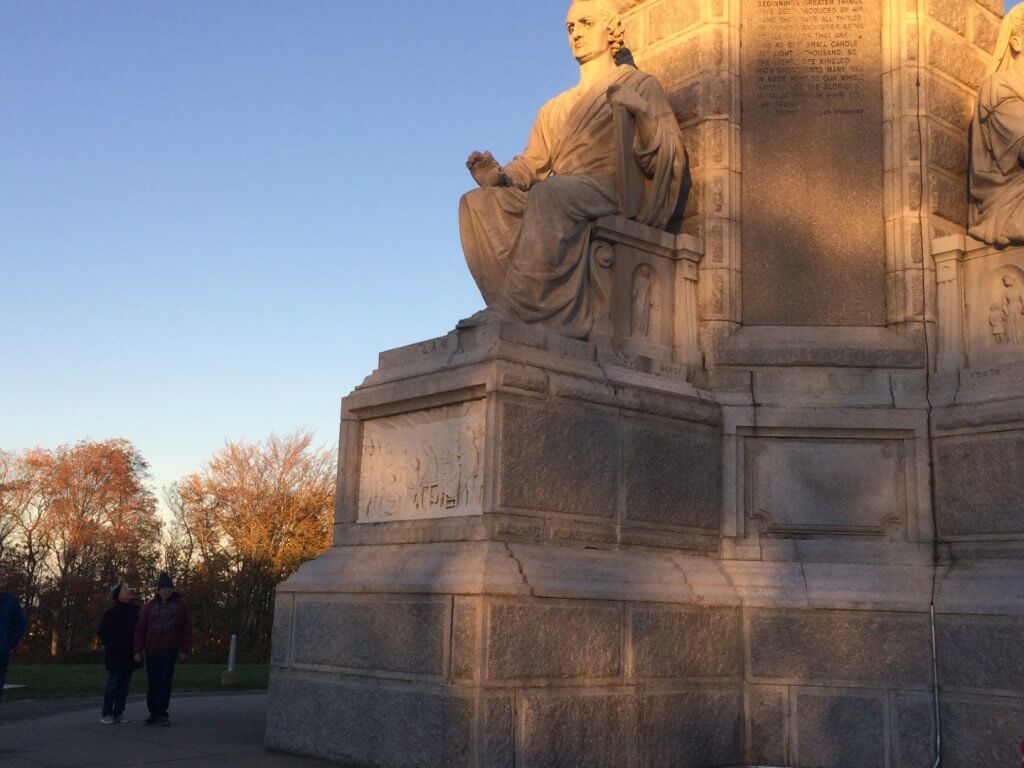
(116,692)
(3,673)
(160,673)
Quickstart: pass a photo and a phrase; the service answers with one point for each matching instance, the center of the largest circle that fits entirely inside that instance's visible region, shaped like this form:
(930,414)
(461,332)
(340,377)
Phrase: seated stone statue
(997,142)
(526,231)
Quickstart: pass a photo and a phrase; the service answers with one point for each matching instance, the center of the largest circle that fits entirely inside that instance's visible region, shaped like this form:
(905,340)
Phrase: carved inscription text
(811,84)
(424,464)
(808,56)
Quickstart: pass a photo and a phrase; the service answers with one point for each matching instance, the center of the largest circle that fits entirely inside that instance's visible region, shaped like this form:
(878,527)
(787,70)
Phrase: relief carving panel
(422,465)
(646,314)
(1006,312)
(993,307)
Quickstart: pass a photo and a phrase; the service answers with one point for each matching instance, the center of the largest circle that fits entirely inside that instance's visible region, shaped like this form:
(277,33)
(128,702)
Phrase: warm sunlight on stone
(724,475)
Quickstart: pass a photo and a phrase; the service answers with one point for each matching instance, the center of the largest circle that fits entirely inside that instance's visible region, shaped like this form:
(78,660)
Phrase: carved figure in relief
(997,322)
(997,142)
(526,231)
(1013,310)
(643,302)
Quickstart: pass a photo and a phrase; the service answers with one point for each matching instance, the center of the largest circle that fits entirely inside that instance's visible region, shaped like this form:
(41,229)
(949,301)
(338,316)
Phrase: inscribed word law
(813,246)
(423,464)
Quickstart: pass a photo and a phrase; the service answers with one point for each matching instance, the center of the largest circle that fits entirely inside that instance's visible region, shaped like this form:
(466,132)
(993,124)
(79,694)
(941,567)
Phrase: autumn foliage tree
(79,518)
(73,521)
(243,523)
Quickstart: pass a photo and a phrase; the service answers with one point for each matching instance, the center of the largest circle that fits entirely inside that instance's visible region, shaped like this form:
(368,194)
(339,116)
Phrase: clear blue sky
(214,215)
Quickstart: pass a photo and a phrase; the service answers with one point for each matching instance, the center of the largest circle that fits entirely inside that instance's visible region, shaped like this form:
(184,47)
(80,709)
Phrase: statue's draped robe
(527,244)
(996,175)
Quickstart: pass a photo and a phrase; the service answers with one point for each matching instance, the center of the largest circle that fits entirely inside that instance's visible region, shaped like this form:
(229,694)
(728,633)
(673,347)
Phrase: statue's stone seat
(980,308)
(652,290)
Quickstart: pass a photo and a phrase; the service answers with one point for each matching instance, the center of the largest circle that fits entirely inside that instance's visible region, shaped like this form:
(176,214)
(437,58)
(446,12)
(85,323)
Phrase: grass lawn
(49,681)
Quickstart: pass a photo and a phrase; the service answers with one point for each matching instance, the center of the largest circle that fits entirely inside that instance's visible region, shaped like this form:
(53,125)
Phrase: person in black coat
(12,625)
(117,633)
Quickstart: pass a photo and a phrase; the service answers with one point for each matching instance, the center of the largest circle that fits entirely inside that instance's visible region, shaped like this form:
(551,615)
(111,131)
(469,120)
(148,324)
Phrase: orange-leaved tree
(244,522)
(81,517)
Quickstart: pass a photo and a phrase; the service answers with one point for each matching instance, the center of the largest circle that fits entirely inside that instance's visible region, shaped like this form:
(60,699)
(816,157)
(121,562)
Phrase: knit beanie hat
(164,580)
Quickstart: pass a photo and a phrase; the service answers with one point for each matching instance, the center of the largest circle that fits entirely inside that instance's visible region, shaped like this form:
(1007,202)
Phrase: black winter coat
(117,633)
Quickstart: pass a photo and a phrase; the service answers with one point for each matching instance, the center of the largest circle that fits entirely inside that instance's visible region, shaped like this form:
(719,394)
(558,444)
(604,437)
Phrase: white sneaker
(121,719)
(108,720)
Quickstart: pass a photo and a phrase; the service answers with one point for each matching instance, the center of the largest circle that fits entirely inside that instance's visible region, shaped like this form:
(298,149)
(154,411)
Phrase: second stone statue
(997,142)
(526,231)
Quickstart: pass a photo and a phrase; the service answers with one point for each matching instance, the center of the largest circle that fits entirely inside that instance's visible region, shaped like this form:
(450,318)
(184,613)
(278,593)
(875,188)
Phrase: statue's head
(594,27)
(1011,39)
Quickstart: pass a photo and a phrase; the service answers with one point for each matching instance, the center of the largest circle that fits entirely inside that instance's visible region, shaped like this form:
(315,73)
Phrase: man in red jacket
(164,634)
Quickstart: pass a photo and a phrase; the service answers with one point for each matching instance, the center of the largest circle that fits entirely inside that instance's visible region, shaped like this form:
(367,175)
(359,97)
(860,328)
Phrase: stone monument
(720,479)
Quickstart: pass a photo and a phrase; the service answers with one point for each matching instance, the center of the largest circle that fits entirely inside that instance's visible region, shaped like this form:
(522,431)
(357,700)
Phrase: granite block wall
(536,682)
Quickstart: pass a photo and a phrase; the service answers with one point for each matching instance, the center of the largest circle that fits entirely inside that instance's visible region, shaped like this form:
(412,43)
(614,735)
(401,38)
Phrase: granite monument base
(511,654)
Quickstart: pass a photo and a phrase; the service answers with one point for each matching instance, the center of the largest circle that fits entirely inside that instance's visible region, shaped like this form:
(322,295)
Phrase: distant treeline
(79,518)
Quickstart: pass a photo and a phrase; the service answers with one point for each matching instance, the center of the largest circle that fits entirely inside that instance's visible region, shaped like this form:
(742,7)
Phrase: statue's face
(588,33)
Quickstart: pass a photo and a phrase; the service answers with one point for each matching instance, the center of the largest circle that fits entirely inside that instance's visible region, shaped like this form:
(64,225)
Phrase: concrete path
(206,731)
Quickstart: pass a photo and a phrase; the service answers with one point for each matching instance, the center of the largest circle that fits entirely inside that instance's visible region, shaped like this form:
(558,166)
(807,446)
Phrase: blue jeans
(116,692)
(3,672)
(159,673)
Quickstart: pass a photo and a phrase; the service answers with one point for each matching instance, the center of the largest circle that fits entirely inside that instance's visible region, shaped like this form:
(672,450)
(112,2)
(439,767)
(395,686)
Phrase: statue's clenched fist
(485,169)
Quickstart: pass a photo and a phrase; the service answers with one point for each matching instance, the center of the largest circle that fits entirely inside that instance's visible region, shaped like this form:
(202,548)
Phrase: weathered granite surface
(717,541)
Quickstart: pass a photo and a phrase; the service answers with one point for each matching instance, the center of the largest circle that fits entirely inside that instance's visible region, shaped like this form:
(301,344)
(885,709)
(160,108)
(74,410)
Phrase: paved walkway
(207,731)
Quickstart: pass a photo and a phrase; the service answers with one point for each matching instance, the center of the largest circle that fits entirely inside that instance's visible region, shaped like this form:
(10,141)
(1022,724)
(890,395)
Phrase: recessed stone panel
(555,461)
(978,732)
(913,728)
(423,464)
(843,730)
(690,728)
(768,724)
(979,484)
(701,642)
(824,482)
(830,646)
(673,476)
(570,730)
(981,652)
(405,636)
(498,744)
(361,724)
(465,643)
(813,234)
(552,641)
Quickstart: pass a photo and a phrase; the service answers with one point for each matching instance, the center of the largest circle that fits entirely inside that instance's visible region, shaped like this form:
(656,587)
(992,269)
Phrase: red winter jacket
(164,626)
